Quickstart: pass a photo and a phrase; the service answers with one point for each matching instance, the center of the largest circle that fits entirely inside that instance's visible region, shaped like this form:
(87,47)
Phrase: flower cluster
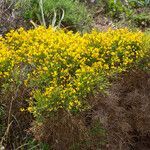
(61,67)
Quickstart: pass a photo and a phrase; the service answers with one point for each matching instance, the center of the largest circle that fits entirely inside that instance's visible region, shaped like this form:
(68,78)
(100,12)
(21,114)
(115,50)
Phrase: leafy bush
(123,9)
(139,3)
(117,10)
(60,68)
(73,13)
(141,20)
(144,63)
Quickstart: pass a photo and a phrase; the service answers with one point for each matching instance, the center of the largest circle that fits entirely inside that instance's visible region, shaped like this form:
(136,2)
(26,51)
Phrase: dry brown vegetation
(125,111)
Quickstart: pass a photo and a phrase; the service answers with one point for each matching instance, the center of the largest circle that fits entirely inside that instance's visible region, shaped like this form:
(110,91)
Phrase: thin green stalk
(42,12)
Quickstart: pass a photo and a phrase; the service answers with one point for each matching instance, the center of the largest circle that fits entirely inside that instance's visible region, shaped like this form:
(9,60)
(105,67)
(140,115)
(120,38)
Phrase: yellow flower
(29,109)
(45,68)
(62,67)
(22,109)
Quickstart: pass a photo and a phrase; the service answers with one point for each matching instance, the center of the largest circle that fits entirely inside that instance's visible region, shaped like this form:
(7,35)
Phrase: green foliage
(139,3)
(144,63)
(75,13)
(119,9)
(34,145)
(116,9)
(141,20)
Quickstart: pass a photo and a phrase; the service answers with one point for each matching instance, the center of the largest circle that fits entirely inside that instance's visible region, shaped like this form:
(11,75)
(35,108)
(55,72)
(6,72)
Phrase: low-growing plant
(139,3)
(117,10)
(141,20)
(124,9)
(144,63)
(60,68)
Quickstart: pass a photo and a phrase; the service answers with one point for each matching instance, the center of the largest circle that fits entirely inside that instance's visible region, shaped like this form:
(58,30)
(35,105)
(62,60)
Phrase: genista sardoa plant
(60,68)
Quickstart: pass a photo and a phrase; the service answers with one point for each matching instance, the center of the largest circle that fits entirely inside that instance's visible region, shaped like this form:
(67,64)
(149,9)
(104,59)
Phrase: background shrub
(141,19)
(76,16)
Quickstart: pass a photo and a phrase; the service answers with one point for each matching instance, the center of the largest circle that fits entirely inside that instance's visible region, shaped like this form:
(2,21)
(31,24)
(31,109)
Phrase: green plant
(68,13)
(42,12)
(117,9)
(141,20)
(123,9)
(139,3)
(144,63)
(31,144)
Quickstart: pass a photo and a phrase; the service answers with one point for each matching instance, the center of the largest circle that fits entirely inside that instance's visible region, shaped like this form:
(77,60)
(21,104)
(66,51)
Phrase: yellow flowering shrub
(61,68)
